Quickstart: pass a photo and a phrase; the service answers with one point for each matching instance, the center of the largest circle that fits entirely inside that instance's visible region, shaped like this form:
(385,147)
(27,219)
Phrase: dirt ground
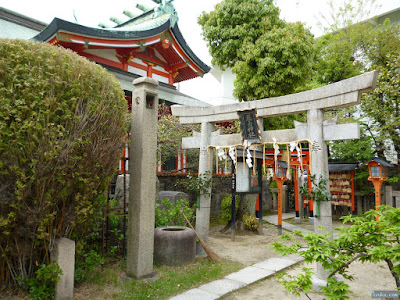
(250,248)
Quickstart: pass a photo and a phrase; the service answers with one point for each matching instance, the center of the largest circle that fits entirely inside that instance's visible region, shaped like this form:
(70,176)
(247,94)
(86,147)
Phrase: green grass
(169,280)
(174,280)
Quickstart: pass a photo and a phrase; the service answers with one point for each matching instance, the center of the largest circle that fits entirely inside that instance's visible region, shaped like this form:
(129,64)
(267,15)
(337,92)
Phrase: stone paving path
(234,281)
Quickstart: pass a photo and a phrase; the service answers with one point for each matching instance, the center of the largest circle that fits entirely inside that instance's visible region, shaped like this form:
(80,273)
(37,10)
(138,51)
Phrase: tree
(365,240)
(269,56)
(349,13)
(275,64)
(234,21)
(352,50)
(169,136)
(381,107)
(63,121)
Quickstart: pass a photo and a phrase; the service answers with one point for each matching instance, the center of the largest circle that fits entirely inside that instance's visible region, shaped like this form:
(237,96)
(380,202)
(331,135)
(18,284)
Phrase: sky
(91,13)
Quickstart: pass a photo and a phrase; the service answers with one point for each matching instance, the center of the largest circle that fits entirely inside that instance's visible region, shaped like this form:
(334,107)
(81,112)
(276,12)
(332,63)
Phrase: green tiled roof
(142,25)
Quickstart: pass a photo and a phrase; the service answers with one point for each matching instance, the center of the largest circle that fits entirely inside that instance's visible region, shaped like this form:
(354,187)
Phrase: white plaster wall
(107,54)
(138,61)
(224,93)
(137,71)
(227,79)
(160,78)
(159,68)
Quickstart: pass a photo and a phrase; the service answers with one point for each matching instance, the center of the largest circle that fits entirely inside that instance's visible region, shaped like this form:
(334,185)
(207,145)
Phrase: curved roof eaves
(178,35)
(61,25)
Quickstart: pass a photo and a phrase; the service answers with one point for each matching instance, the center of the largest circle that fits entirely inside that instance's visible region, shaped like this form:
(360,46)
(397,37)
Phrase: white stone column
(389,195)
(64,254)
(203,211)
(142,186)
(319,167)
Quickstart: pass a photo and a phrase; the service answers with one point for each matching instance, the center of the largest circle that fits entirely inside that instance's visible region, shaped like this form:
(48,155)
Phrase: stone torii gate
(314,103)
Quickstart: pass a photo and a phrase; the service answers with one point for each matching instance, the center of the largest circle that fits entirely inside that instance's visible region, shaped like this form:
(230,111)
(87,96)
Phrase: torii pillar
(204,209)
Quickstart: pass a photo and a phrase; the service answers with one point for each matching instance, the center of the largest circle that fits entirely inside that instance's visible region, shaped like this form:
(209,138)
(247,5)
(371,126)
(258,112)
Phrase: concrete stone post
(142,169)
(319,167)
(274,194)
(389,195)
(359,205)
(203,211)
(64,254)
(285,199)
(397,202)
(300,179)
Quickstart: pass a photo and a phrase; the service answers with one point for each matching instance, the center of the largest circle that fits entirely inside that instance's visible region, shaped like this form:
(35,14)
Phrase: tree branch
(394,274)
(347,264)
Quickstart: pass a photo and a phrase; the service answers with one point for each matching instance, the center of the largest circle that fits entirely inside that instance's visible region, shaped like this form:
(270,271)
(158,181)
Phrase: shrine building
(150,44)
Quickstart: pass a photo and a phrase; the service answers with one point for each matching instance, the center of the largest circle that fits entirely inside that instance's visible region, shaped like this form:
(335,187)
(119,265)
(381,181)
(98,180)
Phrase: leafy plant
(42,285)
(318,193)
(63,121)
(169,214)
(366,240)
(86,265)
(250,222)
(297,284)
(200,184)
(226,207)
(170,132)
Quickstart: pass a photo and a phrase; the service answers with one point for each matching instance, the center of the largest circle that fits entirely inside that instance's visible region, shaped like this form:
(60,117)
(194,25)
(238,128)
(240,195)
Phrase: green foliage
(269,56)
(42,285)
(336,57)
(63,121)
(351,12)
(170,132)
(250,222)
(169,214)
(319,191)
(297,284)
(226,207)
(86,264)
(200,184)
(365,239)
(234,21)
(275,64)
(381,107)
(351,48)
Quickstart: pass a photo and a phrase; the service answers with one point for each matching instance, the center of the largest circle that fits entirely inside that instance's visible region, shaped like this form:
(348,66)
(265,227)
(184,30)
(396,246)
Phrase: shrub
(63,121)
(169,214)
(250,222)
(226,207)
(86,265)
(42,286)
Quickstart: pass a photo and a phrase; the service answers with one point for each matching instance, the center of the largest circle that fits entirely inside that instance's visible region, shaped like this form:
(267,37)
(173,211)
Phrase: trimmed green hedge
(63,121)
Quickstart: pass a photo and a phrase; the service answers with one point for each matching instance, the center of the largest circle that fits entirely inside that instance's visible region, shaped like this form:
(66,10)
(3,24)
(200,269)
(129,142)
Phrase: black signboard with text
(249,125)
